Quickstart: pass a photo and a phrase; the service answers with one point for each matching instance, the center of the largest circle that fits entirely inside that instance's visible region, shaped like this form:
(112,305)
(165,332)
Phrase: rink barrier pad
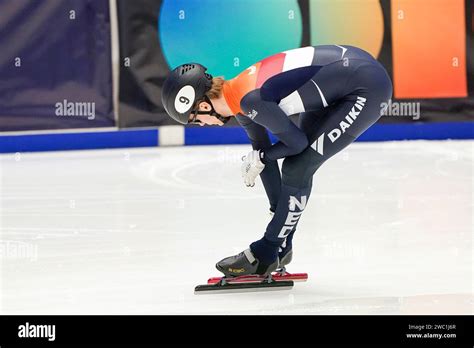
(177,135)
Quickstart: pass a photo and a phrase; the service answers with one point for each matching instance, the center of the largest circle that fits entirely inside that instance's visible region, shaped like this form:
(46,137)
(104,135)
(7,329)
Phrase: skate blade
(295,277)
(243,287)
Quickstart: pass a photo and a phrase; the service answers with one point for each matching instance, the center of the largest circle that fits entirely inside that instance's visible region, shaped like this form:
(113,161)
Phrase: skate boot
(244,263)
(285,252)
(285,257)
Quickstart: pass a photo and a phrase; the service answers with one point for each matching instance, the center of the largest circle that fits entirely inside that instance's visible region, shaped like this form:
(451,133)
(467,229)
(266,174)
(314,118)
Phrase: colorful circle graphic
(227,36)
(357,22)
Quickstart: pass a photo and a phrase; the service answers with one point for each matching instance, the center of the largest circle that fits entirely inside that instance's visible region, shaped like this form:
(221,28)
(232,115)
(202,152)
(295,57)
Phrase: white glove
(252,166)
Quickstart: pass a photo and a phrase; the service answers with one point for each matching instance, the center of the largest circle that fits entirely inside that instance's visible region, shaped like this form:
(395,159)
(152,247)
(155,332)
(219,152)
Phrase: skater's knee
(298,170)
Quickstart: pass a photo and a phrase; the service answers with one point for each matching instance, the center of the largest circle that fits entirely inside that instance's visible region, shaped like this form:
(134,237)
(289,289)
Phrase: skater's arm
(269,115)
(271,177)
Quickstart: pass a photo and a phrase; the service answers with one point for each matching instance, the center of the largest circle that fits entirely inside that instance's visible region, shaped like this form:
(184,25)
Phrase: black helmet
(186,85)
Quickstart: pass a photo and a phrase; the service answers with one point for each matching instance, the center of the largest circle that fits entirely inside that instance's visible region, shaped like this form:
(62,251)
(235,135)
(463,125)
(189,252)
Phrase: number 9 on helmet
(186,85)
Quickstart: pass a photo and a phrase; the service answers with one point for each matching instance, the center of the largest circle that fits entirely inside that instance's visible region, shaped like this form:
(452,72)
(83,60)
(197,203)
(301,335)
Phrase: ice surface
(388,230)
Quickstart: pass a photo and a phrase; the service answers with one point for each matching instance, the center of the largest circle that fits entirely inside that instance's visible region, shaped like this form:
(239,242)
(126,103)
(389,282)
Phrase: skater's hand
(252,166)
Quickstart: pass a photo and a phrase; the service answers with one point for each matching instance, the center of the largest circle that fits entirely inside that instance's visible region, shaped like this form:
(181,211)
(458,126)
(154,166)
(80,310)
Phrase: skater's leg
(307,121)
(297,177)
